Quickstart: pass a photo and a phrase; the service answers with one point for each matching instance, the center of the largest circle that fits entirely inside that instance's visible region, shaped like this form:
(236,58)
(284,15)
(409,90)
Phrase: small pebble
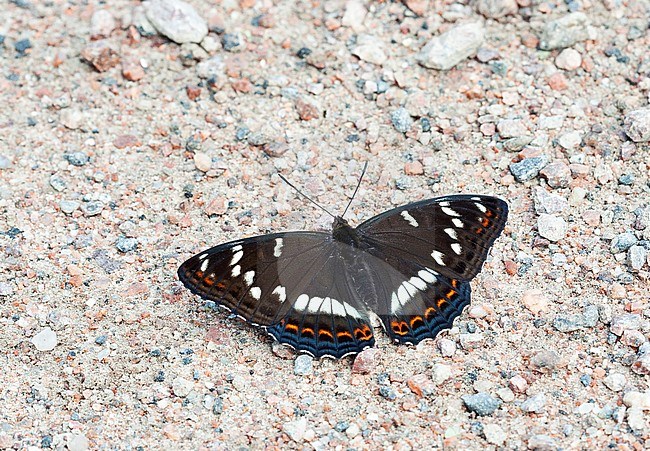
(366,361)
(69,206)
(495,9)
(553,228)
(182,387)
(615,381)
(636,257)
(568,59)
(545,361)
(557,174)
(232,42)
(535,301)
(296,429)
(303,365)
(453,46)
(77,158)
(202,161)
(623,242)
(494,434)
(541,442)
(92,208)
(481,403)
(78,442)
(637,125)
(177,20)
(441,373)
(45,340)
(447,347)
(528,168)
(125,244)
(402,120)
(564,31)
(6,289)
(511,128)
(534,403)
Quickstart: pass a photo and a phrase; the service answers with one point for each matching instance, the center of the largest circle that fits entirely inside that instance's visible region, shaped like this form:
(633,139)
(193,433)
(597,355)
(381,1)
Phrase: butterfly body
(316,291)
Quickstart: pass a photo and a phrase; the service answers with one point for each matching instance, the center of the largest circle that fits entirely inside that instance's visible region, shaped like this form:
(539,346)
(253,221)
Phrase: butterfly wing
(293,284)
(435,247)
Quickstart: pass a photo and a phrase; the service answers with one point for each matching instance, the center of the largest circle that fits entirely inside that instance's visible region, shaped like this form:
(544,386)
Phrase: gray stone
(623,242)
(125,244)
(553,228)
(402,120)
(176,20)
(233,42)
(481,403)
(302,366)
(450,48)
(528,168)
(92,208)
(550,122)
(637,125)
(564,32)
(534,403)
(57,183)
(45,340)
(76,158)
(636,257)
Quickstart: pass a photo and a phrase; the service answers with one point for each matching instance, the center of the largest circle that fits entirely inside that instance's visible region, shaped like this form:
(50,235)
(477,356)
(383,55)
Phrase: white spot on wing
(236,271)
(256,292)
(277,251)
(476,198)
(248,277)
(301,303)
(480,207)
(452,233)
(236,257)
(403,295)
(449,211)
(281,292)
(314,304)
(237,248)
(458,223)
(351,310)
(456,248)
(202,256)
(204,265)
(411,220)
(437,256)
(427,276)
(444,204)
(337,308)
(410,288)
(394,303)
(418,283)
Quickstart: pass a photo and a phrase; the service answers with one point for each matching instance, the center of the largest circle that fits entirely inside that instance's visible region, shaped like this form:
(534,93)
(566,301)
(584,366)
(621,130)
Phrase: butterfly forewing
(293,284)
(451,234)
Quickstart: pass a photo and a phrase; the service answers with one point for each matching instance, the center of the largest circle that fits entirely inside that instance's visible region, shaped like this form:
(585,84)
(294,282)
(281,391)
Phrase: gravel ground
(133,136)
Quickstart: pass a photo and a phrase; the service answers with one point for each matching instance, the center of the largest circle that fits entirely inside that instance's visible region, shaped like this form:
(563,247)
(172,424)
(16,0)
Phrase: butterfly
(317,292)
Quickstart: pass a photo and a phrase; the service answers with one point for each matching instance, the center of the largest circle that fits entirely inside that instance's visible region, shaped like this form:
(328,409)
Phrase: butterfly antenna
(365,166)
(305,196)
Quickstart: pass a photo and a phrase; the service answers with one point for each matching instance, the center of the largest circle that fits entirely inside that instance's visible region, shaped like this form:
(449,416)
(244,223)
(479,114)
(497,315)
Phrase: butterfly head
(343,232)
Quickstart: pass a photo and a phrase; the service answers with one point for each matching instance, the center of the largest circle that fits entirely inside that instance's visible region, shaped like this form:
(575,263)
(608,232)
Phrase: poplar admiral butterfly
(316,292)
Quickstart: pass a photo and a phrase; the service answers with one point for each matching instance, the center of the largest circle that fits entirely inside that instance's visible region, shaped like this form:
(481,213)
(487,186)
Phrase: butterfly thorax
(343,232)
